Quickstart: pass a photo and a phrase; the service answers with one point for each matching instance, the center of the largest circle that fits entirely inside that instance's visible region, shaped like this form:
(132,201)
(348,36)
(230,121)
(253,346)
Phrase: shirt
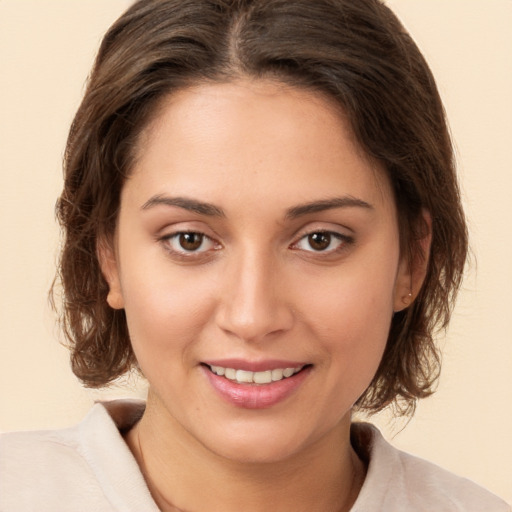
(89,467)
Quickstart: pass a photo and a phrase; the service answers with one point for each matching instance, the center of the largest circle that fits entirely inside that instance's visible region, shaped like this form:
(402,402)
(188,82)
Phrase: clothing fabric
(89,467)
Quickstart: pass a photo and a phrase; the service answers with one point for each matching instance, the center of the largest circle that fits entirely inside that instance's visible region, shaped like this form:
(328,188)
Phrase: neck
(183,475)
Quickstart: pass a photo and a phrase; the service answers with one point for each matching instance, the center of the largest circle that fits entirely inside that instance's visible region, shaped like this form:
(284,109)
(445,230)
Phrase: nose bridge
(253,304)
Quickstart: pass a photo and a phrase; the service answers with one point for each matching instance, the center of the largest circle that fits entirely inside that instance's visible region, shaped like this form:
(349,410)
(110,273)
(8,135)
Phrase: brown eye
(191,241)
(319,241)
(326,242)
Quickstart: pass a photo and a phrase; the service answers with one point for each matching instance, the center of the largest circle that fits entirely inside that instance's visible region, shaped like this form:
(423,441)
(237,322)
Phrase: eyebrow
(187,204)
(327,204)
(211,210)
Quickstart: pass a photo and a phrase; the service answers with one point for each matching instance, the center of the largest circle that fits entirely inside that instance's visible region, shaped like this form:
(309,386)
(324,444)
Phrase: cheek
(356,323)
(355,298)
(351,316)
(165,312)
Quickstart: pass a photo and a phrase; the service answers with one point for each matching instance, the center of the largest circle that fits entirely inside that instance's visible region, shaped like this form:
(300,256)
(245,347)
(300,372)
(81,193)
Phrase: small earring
(407,299)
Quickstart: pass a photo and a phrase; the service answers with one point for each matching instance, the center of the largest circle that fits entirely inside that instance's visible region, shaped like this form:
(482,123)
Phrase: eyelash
(343,242)
(168,240)
(332,236)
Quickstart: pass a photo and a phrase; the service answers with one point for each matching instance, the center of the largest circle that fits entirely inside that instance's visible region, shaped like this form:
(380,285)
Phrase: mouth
(251,385)
(258,377)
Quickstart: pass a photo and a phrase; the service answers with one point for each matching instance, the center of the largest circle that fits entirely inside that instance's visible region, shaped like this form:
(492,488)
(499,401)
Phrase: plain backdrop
(46,50)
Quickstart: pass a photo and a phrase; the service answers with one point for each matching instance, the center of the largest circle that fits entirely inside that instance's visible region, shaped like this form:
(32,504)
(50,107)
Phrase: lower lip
(256,396)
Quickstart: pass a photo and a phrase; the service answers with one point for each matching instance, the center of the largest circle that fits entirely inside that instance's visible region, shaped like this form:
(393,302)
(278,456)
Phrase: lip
(255,396)
(254,366)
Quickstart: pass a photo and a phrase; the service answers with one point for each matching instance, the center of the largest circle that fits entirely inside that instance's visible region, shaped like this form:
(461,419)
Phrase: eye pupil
(319,241)
(190,241)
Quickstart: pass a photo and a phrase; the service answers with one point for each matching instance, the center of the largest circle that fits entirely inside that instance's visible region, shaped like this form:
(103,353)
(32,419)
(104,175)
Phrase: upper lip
(254,366)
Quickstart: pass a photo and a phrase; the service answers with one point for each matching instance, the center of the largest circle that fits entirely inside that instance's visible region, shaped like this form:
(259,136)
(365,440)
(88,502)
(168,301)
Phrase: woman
(261,214)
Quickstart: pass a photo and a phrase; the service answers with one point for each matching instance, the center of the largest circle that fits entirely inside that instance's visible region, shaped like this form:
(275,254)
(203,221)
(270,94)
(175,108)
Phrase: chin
(256,452)
(260,442)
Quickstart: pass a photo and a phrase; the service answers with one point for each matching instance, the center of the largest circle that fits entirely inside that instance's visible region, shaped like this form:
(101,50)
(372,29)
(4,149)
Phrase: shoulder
(45,452)
(397,481)
(68,469)
(45,465)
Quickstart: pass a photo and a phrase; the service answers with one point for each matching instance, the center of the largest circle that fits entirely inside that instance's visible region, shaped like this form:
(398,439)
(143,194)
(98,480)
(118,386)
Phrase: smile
(260,385)
(248,377)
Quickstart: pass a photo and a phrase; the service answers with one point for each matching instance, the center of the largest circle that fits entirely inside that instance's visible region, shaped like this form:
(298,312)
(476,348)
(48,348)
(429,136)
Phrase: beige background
(46,49)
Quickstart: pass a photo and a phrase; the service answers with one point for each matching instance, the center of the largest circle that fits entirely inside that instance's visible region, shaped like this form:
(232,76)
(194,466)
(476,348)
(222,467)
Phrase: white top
(90,468)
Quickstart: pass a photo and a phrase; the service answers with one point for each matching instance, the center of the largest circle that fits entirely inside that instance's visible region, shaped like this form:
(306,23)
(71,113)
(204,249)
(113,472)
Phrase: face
(257,258)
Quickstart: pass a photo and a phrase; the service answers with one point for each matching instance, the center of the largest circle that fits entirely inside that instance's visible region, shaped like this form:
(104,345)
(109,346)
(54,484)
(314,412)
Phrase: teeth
(277,374)
(218,370)
(230,373)
(288,372)
(246,377)
(262,377)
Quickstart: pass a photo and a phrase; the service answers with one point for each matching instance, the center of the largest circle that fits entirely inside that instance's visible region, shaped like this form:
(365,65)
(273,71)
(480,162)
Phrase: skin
(256,289)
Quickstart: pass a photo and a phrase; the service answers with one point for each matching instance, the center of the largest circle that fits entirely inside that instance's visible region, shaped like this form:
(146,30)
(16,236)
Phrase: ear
(110,270)
(413,269)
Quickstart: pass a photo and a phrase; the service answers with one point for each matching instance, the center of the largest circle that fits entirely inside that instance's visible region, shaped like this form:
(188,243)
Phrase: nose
(254,306)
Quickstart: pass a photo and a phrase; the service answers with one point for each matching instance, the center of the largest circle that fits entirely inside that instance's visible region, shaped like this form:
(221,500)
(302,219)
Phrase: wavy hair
(355,52)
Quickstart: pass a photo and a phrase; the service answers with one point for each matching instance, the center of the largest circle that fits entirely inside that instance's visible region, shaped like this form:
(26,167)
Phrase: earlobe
(115,298)
(109,268)
(403,293)
(412,271)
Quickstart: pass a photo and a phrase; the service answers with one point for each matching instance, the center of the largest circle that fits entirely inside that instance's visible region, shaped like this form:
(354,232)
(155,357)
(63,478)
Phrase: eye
(189,242)
(321,241)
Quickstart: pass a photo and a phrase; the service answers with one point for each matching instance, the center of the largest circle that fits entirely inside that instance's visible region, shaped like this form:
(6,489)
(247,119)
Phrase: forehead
(270,138)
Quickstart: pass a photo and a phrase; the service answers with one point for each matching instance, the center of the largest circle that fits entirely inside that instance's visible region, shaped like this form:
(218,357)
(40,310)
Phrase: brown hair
(358,54)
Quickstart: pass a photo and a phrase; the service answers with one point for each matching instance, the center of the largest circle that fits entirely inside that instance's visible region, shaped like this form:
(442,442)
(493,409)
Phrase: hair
(356,53)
